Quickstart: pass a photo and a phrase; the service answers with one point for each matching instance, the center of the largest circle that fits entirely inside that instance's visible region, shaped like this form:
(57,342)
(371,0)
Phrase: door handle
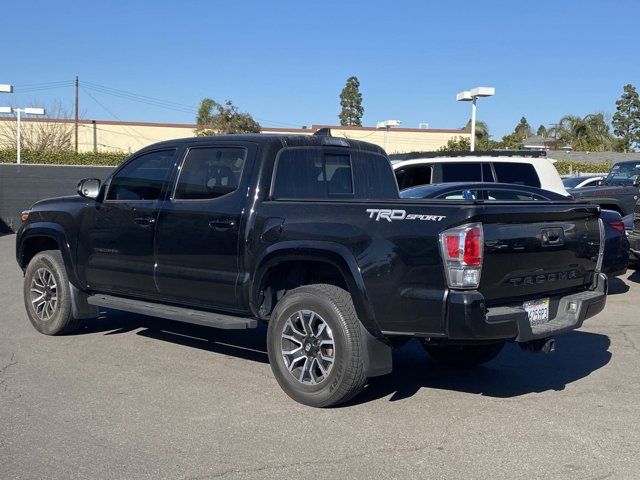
(221,224)
(145,221)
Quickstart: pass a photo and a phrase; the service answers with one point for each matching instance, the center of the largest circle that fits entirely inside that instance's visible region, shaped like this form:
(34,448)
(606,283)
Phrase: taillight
(618,225)
(462,252)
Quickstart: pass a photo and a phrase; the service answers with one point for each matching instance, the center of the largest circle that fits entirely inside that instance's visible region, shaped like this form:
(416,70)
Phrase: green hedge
(63,157)
(565,168)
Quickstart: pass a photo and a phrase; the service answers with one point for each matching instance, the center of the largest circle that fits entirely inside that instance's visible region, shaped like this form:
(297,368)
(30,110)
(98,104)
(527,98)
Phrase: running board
(199,317)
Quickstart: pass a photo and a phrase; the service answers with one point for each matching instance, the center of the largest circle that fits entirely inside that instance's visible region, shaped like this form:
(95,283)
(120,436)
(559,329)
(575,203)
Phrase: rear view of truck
(523,272)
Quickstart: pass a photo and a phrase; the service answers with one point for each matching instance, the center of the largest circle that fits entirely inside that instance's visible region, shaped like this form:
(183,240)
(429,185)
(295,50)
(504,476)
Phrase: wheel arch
(37,238)
(290,255)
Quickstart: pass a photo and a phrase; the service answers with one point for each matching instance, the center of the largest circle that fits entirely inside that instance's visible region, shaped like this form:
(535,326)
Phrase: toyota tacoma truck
(309,234)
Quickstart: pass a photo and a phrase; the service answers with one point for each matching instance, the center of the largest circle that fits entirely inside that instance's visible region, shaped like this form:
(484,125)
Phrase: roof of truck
(277,139)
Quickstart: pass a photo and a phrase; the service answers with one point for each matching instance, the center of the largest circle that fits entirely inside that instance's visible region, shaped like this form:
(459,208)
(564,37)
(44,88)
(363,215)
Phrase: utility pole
(75,116)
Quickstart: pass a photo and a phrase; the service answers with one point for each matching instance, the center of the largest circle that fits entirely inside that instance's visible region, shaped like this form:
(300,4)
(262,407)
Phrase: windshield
(623,173)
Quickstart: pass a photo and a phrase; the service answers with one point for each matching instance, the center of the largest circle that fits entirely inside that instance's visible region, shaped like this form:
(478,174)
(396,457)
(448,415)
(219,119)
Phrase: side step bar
(199,317)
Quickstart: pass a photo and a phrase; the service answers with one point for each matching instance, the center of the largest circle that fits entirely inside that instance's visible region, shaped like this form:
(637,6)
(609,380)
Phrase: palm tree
(589,133)
(482,130)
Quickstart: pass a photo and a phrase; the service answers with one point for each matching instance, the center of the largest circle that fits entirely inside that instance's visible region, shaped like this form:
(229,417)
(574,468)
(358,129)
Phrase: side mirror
(89,188)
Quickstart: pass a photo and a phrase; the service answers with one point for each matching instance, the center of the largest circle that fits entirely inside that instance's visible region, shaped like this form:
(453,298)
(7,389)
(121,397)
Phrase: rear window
(329,173)
(516,173)
(308,173)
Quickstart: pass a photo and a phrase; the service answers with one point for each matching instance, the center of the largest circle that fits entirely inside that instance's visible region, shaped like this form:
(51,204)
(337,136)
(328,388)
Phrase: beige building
(103,135)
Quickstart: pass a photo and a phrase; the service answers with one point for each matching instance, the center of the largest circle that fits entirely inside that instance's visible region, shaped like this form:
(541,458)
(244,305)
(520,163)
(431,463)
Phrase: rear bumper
(468,319)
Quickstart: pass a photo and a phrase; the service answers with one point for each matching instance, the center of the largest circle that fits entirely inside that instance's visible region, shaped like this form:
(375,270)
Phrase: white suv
(529,168)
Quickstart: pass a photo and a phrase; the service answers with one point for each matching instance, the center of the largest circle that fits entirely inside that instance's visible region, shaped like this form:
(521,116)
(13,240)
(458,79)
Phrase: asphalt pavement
(132,397)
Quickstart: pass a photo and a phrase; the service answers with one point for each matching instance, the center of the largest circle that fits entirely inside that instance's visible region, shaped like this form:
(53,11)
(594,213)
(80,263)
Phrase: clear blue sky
(286,62)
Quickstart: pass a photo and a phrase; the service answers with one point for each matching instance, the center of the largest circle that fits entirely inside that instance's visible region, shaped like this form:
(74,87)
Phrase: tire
(463,356)
(46,275)
(339,340)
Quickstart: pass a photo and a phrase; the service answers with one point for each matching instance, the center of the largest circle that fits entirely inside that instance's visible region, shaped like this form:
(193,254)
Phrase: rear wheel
(47,296)
(314,346)
(463,356)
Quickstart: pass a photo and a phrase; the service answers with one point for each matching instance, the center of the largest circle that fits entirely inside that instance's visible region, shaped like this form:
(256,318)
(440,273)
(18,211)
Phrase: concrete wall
(23,185)
(132,136)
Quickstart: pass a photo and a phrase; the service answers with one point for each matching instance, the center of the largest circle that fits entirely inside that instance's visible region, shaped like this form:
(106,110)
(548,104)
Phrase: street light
(386,125)
(471,96)
(26,111)
(4,88)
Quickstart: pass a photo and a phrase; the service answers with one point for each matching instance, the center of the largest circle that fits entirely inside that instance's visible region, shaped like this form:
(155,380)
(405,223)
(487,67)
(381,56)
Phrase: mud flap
(376,355)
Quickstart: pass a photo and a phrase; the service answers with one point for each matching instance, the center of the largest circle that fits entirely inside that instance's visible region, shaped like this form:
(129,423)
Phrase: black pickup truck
(308,233)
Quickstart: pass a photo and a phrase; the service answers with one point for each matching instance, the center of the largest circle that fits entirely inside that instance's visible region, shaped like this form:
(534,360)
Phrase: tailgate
(536,249)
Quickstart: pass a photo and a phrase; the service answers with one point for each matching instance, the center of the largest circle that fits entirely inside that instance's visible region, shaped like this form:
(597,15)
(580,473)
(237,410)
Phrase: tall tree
(542,131)
(626,120)
(351,103)
(483,138)
(216,119)
(523,129)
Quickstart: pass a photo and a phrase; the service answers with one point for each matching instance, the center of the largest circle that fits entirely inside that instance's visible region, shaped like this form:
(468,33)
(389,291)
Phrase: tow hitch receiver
(544,345)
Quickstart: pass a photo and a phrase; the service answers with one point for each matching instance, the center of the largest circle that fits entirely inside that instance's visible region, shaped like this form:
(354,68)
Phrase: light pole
(386,125)
(26,111)
(4,88)
(472,96)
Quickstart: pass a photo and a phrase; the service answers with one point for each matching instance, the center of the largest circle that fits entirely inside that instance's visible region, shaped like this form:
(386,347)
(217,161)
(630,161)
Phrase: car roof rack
(488,153)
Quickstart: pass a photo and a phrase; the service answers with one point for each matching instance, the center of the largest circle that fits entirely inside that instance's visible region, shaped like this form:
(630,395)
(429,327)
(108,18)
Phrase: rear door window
(210,172)
(461,172)
(516,173)
(414,176)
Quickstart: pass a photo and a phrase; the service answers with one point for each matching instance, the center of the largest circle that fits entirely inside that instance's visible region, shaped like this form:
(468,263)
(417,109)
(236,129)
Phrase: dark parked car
(308,233)
(616,250)
(633,235)
(616,255)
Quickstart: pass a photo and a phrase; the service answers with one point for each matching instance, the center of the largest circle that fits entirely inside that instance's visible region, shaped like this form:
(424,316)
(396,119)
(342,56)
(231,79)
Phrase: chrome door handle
(222,224)
(145,221)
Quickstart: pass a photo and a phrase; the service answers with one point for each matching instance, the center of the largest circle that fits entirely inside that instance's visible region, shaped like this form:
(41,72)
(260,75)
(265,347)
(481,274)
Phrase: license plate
(537,310)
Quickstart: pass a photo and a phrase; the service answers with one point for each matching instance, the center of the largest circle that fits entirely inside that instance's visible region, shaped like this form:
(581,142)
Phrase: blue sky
(286,62)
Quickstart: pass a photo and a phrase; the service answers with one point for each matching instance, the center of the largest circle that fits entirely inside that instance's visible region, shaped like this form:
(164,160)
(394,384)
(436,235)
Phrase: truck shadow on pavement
(617,286)
(246,344)
(513,373)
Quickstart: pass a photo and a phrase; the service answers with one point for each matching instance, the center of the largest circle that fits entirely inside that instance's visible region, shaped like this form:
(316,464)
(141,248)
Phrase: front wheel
(463,356)
(314,346)
(47,295)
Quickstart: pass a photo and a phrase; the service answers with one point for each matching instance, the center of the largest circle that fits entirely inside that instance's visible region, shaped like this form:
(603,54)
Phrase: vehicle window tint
(307,173)
(487,174)
(142,179)
(460,195)
(337,169)
(210,172)
(413,176)
(516,173)
(512,196)
(461,172)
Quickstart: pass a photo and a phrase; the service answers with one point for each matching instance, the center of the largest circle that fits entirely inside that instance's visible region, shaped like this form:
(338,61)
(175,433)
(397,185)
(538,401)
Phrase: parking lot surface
(133,397)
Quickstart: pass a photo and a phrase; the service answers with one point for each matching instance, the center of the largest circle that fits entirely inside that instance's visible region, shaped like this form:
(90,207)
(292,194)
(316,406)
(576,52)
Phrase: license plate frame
(537,311)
